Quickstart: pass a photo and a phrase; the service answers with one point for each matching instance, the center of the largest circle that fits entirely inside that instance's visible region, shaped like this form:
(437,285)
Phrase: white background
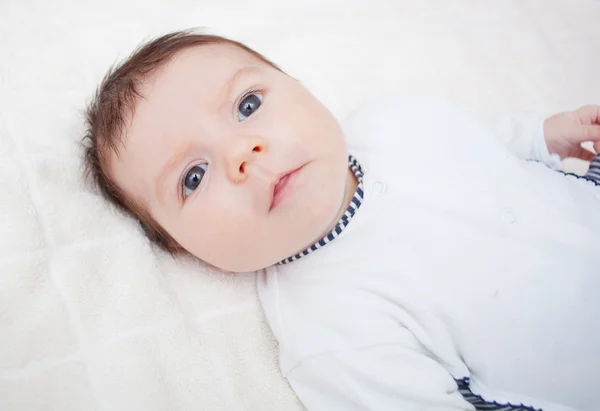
(91,317)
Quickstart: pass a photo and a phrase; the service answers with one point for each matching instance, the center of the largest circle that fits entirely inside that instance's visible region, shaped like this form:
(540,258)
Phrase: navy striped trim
(593,173)
(481,404)
(356,202)
(592,176)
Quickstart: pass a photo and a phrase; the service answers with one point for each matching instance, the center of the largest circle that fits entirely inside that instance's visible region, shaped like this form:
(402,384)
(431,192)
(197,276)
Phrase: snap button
(509,216)
(378,187)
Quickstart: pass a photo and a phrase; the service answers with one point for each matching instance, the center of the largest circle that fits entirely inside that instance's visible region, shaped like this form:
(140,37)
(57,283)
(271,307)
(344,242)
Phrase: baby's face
(209,153)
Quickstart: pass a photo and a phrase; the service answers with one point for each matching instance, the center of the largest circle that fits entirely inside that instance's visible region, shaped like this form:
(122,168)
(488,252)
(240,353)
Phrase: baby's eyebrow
(179,155)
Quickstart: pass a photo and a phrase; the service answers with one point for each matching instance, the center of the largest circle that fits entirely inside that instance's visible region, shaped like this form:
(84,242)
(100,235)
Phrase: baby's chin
(240,263)
(242,268)
(259,261)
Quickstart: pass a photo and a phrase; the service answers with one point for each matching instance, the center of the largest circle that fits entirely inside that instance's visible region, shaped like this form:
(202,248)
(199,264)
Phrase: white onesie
(468,277)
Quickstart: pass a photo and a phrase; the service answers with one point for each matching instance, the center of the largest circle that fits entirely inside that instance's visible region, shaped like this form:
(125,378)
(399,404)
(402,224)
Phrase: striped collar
(356,202)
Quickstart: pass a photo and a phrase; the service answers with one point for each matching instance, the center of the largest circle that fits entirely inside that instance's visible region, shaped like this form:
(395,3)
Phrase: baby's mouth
(280,184)
(283,186)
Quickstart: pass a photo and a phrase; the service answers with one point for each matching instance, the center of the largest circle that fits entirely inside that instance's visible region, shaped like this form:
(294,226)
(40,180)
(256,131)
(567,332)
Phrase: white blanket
(91,316)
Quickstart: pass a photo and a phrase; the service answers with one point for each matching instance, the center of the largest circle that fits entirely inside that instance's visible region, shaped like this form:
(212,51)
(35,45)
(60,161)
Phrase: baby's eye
(193,178)
(249,105)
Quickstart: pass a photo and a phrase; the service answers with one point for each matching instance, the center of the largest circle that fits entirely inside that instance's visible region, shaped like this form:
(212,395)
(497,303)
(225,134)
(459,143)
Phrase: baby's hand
(564,132)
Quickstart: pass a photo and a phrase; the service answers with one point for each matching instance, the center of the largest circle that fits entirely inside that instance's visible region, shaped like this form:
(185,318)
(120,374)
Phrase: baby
(470,283)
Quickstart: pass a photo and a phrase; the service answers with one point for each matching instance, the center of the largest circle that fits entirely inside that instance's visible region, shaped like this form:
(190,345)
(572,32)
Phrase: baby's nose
(242,154)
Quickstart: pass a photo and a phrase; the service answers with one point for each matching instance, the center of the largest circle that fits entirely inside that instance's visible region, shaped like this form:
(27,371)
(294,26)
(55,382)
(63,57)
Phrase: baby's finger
(589,114)
(582,154)
(591,132)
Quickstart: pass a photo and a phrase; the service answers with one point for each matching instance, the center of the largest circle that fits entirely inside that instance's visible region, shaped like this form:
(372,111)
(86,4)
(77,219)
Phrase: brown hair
(114,104)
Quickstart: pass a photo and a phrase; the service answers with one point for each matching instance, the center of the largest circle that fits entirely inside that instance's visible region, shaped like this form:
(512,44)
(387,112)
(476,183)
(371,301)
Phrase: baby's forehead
(214,59)
(202,72)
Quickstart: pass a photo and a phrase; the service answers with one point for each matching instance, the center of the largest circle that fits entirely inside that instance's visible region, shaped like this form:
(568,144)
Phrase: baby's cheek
(230,241)
(211,228)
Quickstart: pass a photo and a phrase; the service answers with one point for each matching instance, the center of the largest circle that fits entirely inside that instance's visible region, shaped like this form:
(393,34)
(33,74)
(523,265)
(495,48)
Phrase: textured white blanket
(91,316)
